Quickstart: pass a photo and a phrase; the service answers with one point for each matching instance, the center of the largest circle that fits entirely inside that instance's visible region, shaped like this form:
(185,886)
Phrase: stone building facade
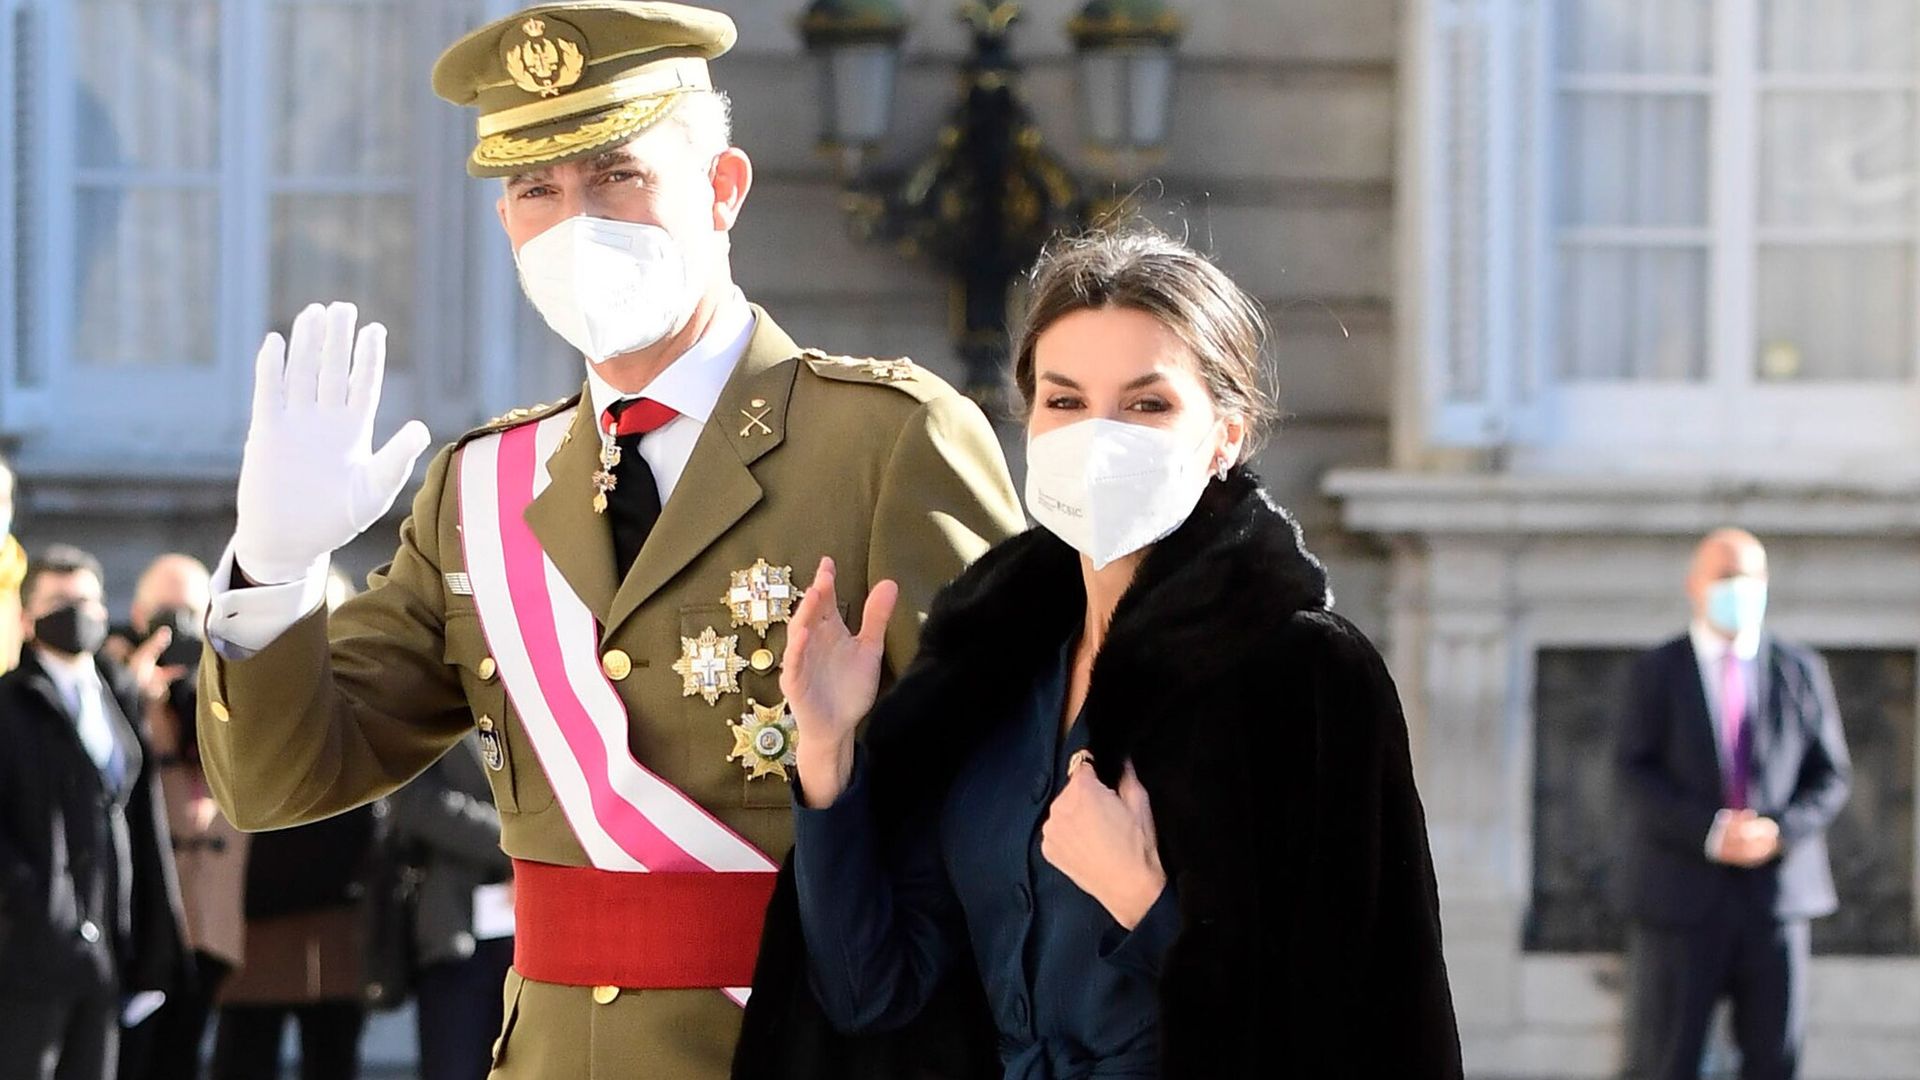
(1380,172)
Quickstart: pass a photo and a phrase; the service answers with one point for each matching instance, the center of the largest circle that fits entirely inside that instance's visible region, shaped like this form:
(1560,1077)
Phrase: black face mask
(72,629)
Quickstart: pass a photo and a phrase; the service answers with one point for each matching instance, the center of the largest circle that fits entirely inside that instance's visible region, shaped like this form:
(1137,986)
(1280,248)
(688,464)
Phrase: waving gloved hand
(310,480)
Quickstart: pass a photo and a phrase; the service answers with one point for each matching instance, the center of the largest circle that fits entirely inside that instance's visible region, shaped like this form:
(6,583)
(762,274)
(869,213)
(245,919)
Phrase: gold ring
(1079,758)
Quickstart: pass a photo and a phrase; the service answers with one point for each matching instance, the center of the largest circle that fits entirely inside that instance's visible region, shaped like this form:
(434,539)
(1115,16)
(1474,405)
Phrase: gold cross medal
(764,740)
(761,595)
(603,478)
(710,665)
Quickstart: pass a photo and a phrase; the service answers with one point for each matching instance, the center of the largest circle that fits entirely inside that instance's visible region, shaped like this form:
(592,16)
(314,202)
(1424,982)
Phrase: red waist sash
(578,926)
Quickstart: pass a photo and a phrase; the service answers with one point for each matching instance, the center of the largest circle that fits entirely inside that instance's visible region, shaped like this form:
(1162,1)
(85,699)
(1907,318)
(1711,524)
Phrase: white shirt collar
(70,675)
(692,383)
(1711,647)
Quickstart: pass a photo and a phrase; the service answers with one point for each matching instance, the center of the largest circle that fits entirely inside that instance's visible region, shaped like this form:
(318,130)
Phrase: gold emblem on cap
(761,595)
(709,665)
(764,740)
(542,64)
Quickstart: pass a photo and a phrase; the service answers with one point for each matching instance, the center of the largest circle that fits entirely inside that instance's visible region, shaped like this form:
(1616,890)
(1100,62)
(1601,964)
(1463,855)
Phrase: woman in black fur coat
(1143,805)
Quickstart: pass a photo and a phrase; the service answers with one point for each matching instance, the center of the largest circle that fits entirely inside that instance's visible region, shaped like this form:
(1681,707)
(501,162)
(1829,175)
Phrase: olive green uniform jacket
(880,465)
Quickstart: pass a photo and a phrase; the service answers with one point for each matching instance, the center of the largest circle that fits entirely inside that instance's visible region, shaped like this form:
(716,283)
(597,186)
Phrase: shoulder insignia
(900,372)
(513,418)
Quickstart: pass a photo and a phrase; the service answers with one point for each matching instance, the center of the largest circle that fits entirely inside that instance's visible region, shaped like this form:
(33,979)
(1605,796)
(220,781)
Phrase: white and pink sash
(546,643)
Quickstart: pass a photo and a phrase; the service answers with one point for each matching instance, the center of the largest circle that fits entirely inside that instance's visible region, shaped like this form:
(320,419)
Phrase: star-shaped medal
(710,665)
(761,595)
(764,740)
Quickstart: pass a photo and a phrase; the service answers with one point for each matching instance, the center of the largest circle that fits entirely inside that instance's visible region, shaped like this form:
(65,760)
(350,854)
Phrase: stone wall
(1280,163)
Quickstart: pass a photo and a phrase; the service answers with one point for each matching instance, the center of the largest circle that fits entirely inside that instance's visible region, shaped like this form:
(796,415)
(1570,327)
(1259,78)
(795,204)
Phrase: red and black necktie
(634,504)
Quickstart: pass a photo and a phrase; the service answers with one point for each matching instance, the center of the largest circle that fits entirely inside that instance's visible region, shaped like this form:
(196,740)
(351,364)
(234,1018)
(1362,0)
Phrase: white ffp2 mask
(1109,489)
(607,287)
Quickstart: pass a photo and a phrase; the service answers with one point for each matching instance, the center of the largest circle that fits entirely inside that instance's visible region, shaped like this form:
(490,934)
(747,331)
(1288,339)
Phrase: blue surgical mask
(1737,605)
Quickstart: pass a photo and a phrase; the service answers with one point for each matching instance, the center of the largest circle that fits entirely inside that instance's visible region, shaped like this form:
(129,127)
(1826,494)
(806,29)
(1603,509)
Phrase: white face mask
(1109,489)
(608,287)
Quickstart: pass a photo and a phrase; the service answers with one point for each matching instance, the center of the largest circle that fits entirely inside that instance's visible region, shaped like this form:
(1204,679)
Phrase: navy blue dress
(1073,994)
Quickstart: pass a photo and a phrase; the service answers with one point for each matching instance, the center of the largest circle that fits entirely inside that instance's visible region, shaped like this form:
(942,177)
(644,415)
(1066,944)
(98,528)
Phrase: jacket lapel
(717,488)
(1767,724)
(1698,715)
(579,541)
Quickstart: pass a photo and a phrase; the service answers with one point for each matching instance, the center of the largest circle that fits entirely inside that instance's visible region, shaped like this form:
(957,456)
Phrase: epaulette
(513,418)
(901,373)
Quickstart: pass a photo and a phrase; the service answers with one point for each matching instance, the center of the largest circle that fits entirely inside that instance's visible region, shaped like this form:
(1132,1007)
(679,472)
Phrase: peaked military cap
(563,81)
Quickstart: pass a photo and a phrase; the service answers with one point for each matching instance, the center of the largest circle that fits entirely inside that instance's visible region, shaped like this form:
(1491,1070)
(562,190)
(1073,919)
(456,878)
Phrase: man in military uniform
(599,586)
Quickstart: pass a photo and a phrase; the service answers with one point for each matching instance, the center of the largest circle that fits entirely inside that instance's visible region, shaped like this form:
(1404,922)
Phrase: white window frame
(183,420)
(1483,263)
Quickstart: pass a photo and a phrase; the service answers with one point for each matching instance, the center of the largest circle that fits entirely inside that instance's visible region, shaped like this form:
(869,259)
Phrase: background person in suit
(1730,765)
(89,913)
(447,832)
(209,854)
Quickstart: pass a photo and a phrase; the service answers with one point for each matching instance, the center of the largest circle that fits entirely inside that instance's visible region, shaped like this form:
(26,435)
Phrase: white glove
(310,480)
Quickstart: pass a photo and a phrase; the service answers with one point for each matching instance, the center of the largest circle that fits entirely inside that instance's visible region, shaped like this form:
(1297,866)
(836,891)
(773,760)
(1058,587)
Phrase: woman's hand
(1104,842)
(831,677)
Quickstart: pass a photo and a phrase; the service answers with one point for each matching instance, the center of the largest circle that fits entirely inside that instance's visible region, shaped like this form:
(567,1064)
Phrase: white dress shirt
(241,622)
(1710,651)
(82,691)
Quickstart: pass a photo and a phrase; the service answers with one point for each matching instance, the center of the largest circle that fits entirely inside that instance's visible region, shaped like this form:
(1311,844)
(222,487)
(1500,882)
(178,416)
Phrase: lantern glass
(856,92)
(1126,96)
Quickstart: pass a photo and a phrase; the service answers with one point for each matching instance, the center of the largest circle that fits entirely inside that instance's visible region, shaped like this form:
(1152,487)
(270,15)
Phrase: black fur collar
(1237,563)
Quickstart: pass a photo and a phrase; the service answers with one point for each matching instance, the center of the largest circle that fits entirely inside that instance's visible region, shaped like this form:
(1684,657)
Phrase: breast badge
(761,595)
(764,740)
(710,665)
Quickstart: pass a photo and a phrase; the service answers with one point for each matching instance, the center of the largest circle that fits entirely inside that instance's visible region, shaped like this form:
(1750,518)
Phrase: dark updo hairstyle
(1150,272)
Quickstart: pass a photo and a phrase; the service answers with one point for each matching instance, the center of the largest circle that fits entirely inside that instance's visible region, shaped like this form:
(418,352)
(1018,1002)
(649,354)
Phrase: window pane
(1633,314)
(1632,160)
(1836,313)
(343,89)
(148,83)
(1840,36)
(145,283)
(1668,37)
(1838,160)
(347,248)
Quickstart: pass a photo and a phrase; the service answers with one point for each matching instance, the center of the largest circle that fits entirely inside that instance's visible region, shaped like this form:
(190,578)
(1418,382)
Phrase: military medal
(709,665)
(490,745)
(761,595)
(764,740)
(603,478)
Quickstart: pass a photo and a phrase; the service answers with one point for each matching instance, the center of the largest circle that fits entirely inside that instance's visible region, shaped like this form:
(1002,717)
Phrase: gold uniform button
(762,660)
(604,995)
(219,711)
(487,669)
(618,665)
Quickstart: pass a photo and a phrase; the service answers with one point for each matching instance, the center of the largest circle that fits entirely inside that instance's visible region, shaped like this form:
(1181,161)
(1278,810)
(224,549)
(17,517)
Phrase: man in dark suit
(89,912)
(1730,766)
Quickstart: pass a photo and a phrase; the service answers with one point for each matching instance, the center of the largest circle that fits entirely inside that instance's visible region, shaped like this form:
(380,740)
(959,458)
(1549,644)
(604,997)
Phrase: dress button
(90,932)
(604,995)
(618,665)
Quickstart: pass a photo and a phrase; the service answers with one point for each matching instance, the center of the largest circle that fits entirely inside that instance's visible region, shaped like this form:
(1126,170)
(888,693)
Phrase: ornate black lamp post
(990,195)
